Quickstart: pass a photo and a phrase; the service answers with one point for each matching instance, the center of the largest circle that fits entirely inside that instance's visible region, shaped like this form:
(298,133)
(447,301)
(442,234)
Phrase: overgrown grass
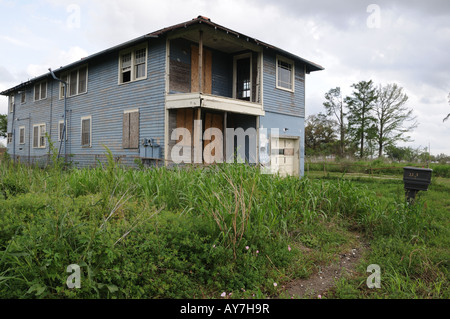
(198,232)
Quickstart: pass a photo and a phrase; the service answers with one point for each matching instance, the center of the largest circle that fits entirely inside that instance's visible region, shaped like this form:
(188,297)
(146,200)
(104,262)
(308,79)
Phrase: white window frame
(21,135)
(133,51)
(11,104)
(9,137)
(40,91)
(90,131)
(40,145)
(66,78)
(59,130)
(291,62)
(23,97)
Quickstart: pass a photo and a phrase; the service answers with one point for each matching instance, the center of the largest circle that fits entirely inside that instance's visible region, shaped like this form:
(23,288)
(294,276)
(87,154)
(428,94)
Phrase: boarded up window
(130,133)
(214,120)
(86,132)
(206,70)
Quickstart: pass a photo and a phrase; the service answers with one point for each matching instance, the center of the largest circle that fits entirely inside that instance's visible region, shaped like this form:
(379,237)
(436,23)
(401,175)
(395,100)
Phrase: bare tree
(335,106)
(448,115)
(392,114)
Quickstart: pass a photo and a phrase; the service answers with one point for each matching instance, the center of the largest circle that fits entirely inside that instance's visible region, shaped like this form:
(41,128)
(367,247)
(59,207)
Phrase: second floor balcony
(209,68)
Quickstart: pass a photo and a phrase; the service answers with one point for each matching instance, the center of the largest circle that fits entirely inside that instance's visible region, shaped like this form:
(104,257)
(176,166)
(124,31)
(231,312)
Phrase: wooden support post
(200,61)
(198,137)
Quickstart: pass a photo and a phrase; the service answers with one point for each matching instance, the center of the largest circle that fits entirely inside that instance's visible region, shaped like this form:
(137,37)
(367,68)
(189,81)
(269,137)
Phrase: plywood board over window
(130,130)
(206,70)
(214,120)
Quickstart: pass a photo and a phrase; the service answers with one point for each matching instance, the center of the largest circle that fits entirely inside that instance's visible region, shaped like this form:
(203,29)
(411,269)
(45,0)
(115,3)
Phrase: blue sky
(402,41)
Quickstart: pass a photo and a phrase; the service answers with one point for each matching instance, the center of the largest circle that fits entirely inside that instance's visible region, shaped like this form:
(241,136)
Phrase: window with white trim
(76,82)
(39,131)
(9,138)
(86,131)
(22,135)
(11,104)
(61,130)
(133,64)
(23,97)
(285,74)
(40,91)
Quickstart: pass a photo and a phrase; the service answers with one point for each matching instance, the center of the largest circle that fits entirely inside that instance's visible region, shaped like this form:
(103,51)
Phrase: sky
(391,41)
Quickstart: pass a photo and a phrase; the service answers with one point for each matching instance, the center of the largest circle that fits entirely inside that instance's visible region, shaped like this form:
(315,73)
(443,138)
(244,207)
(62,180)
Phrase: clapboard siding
(281,101)
(105,102)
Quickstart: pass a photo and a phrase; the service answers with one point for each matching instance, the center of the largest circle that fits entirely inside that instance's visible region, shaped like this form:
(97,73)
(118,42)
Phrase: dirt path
(321,282)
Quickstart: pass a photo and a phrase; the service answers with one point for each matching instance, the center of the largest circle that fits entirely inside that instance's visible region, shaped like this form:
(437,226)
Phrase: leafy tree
(320,136)
(361,121)
(401,153)
(392,114)
(335,106)
(3,125)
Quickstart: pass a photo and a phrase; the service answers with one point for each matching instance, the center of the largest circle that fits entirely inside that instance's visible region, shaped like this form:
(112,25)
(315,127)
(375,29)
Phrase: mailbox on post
(415,180)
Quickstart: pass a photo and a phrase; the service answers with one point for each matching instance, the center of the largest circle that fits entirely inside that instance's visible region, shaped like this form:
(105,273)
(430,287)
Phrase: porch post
(200,61)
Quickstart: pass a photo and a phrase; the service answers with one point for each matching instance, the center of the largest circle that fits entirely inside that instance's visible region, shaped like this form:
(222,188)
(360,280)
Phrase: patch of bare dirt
(325,278)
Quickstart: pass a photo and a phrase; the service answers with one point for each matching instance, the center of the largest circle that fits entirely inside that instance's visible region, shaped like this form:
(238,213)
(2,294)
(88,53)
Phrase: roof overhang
(212,28)
(245,42)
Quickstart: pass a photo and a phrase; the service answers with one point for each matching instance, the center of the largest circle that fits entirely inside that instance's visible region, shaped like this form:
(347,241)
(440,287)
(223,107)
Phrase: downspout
(12,126)
(63,138)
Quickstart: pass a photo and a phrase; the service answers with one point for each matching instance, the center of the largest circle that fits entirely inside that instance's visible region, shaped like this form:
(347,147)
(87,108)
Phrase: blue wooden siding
(278,100)
(105,101)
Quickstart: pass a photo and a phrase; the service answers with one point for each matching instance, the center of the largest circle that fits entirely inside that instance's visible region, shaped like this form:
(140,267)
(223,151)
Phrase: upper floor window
(23,97)
(133,64)
(285,74)
(40,91)
(76,82)
(11,104)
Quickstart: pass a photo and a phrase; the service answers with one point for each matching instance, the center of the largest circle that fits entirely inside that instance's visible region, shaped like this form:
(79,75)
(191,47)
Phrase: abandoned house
(218,86)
